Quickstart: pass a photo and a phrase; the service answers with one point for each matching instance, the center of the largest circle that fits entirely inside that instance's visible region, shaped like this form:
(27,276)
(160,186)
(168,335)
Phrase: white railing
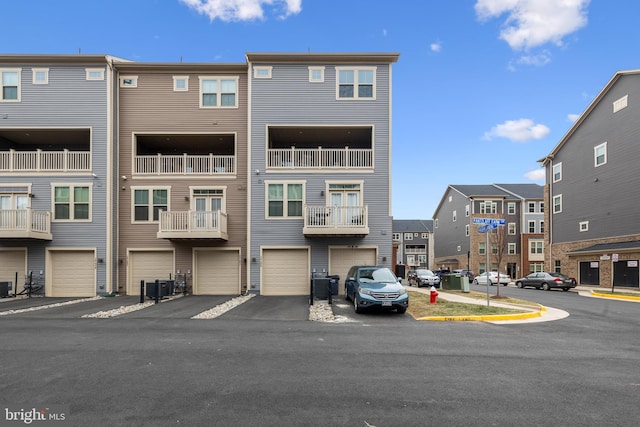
(184,164)
(192,222)
(320,158)
(335,217)
(25,220)
(45,161)
(415,251)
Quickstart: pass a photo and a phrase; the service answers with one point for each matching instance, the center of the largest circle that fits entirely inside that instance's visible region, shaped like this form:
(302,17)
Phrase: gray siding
(606,196)
(68,100)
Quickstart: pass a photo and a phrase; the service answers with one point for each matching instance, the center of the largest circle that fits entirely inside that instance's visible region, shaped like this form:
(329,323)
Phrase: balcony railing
(184,164)
(320,158)
(45,161)
(25,224)
(336,221)
(415,251)
(193,225)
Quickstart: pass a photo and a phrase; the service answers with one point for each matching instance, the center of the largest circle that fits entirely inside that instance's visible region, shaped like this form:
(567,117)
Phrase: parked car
(481,279)
(411,274)
(547,281)
(424,278)
(441,272)
(369,287)
(467,273)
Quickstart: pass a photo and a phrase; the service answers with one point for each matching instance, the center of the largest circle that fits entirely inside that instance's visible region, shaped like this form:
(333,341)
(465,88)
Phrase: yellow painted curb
(488,317)
(614,296)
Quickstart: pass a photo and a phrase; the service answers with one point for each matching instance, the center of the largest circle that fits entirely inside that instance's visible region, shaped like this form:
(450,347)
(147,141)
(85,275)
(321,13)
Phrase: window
(396,236)
(424,236)
(535,247)
(494,248)
(541,207)
(262,72)
(455,216)
(542,226)
(466,230)
(408,236)
(557,204)
(40,76)
(218,93)
(531,226)
(482,248)
(94,73)
(148,202)
(10,84)
(557,172)
(284,200)
(356,83)
(180,83)
(511,248)
(511,208)
(435,223)
(467,211)
(128,81)
(512,228)
(488,207)
(532,207)
(71,202)
(584,226)
(482,267)
(316,74)
(600,154)
(620,103)
(556,265)
(536,267)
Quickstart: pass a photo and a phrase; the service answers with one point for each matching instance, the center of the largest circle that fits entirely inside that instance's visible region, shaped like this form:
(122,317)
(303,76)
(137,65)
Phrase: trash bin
(321,287)
(335,283)
(401,270)
(465,284)
(4,289)
(455,282)
(150,290)
(445,281)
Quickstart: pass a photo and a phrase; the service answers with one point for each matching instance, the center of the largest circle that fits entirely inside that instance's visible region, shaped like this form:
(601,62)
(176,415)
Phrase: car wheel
(356,306)
(565,289)
(545,286)
(475,282)
(402,310)
(519,284)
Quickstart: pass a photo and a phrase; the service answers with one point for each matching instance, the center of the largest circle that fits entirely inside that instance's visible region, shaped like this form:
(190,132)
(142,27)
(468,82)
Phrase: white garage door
(341,259)
(148,266)
(217,273)
(12,262)
(73,274)
(285,272)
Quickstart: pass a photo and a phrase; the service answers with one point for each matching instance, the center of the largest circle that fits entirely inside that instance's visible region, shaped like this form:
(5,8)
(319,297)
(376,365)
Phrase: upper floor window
(541,207)
(218,92)
(511,208)
(584,226)
(511,248)
(557,172)
(424,236)
(532,226)
(284,200)
(467,230)
(512,228)
(10,84)
(180,83)
(71,202)
(396,236)
(356,83)
(128,81)
(455,216)
(94,73)
(542,226)
(488,207)
(148,202)
(557,203)
(482,247)
(536,247)
(600,154)
(435,223)
(408,236)
(467,211)
(262,72)
(40,76)
(316,74)
(531,206)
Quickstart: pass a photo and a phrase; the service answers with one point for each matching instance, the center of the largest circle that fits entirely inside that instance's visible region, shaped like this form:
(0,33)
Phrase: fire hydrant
(433,294)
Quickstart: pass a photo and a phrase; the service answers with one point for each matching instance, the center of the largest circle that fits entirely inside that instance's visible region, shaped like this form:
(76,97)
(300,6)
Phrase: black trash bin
(401,271)
(4,289)
(321,287)
(335,283)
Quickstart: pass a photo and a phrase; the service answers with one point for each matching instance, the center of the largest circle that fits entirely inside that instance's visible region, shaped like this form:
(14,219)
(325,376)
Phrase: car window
(383,275)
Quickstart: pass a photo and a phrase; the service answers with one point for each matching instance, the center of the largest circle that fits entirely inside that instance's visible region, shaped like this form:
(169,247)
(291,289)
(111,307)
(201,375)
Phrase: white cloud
(435,47)
(532,23)
(535,175)
(242,10)
(573,117)
(521,130)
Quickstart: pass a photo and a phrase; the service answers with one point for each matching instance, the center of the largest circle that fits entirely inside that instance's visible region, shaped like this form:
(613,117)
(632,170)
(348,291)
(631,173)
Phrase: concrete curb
(614,296)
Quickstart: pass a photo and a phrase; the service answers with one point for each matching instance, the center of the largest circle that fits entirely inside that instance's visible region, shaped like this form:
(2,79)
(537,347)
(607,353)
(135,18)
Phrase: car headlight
(402,291)
(364,291)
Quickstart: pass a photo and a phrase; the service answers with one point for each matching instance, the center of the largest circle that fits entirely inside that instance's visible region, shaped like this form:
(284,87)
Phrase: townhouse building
(593,188)
(57,203)
(182,175)
(320,166)
(413,240)
(517,248)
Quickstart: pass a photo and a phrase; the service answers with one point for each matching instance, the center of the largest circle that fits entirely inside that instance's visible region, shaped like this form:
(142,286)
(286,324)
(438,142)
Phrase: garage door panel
(341,259)
(73,274)
(217,273)
(12,262)
(148,266)
(285,272)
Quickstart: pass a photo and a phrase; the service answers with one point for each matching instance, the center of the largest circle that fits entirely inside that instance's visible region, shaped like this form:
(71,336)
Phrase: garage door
(73,274)
(341,259)
(285,272)
(148,266)
(12,262)
(217,273)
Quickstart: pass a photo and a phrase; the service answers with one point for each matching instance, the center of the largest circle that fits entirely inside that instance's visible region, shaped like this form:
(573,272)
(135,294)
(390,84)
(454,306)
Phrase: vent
(620,103)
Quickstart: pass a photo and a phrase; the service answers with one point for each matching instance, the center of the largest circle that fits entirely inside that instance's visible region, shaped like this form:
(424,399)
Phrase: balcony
(320,158)
(25,224)
(193,225)
(45,161)
(185,164)
(334,221)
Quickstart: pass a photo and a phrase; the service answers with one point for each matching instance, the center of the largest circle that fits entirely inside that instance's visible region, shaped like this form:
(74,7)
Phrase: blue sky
(482,89)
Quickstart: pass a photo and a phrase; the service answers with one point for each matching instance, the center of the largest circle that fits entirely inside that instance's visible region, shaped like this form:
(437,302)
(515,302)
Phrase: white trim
(319,79)
(90,73)
(583,226)
(177,79)
(553,201)
(554,173)
(34,74)
(262,72)
(595,154)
